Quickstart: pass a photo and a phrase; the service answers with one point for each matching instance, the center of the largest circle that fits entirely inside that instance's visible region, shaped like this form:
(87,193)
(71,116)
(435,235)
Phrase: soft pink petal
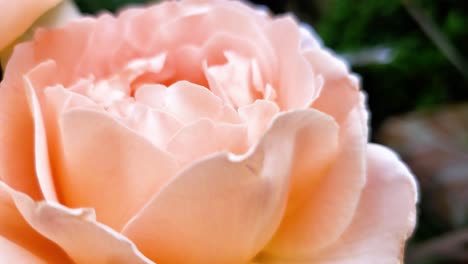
(297,86)
(157,126)
(385,217)
(340,90)
(225,208)
(17,166)
(189,102)
(76,231)
(19,15)
(13,253)
(330,201)
(151,95)
(234,79)
(56,101)
(55,44)
(108,167)
(59,99)
(41,153)
(19,242)
(190,143)
(258,116)
(230,18)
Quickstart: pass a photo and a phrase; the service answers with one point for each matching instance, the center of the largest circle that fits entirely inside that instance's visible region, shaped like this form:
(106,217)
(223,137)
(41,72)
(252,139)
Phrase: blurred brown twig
(436,35)
(452,246)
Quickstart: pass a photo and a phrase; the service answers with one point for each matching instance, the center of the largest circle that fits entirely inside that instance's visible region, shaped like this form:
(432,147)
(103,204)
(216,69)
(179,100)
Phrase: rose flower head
(196,131)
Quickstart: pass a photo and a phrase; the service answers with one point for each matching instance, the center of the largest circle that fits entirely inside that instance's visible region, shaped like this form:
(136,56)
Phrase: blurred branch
(451,246)
(436,35)
(368,56)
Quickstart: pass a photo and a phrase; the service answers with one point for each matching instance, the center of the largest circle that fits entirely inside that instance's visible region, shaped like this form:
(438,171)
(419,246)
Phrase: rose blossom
(192,132)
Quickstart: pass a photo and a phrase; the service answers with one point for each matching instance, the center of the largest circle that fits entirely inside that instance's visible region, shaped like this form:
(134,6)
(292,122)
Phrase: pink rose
(192,132)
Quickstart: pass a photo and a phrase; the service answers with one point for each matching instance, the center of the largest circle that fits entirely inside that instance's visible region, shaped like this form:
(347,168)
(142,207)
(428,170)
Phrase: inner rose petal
(165,115)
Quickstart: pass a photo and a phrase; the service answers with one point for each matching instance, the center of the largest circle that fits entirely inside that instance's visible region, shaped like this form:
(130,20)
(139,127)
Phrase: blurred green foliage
(420,75)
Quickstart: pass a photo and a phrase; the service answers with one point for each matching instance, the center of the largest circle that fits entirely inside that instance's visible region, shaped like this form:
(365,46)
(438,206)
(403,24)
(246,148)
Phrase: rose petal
(233,78)
(12,253)
(340,91)
(17,167)
(151,95)
(58,100)
(190,143)
(189,102)
(296,85)
(330,203)
(257,116)
(157,126)
(19,242)
(21,15)
(41,153)
(385,218)
(76,231)
(101,154)
(224,209)
(56,44)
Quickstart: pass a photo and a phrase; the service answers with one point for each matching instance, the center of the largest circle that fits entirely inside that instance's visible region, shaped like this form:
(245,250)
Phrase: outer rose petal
(224,209)
(12,253)
(58,15)
(19,15)
(330,201)
(340,92)
(17,165)
(297,85)
(385,218)
(76,231)
(19,242)
(41,154)
(108,167)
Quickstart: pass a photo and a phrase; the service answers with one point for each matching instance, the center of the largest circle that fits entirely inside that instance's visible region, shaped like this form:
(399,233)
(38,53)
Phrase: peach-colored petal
(19,16)
(17,166)
(55,44)
(12,253)
(189,102)
(157,126)
(151,95)
(230,19)
(330,202)
(76,231)
(225,208)
(309,38)
(223,137)
(340,90)
(385,217)
(257,116)
(297,85)
(57,16)
(41,153)
(58,100)
(233,78)
(19,242)
(101,154)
